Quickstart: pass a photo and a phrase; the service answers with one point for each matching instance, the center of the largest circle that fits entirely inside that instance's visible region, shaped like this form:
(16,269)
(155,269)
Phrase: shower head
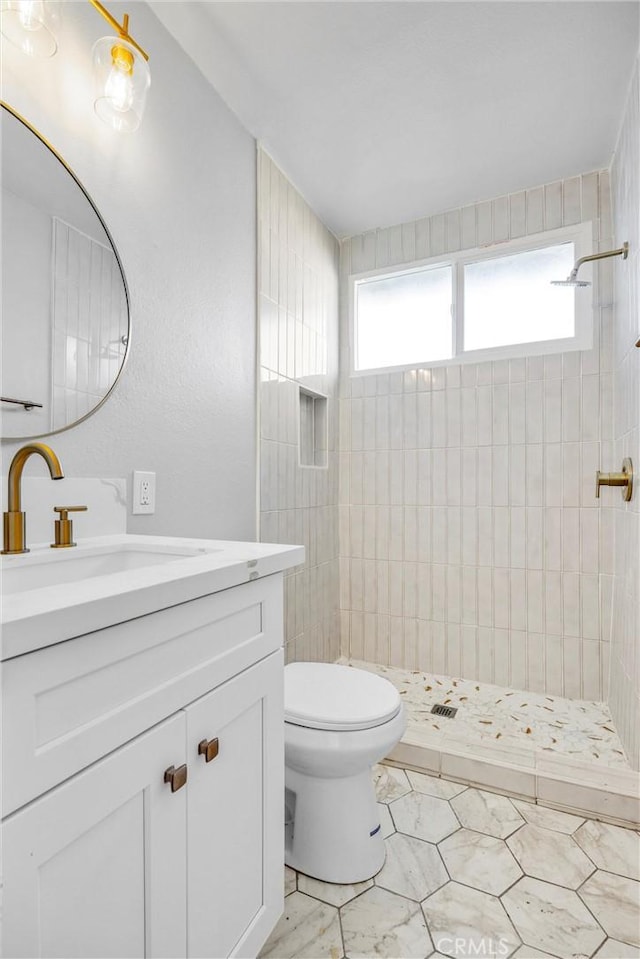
(572,279)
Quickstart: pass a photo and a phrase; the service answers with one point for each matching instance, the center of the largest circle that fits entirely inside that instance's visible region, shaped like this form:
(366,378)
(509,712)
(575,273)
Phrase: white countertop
(40,617)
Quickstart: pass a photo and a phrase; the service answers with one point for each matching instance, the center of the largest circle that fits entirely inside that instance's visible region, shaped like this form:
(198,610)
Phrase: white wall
(298,322)
(471,541)
(624,689)
(179,199)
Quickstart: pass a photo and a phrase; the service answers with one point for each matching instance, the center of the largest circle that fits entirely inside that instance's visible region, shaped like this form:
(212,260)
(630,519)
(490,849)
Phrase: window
(480,304)
(403,316)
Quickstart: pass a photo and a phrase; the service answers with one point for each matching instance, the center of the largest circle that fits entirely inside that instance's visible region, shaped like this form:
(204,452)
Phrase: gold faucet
(14,518)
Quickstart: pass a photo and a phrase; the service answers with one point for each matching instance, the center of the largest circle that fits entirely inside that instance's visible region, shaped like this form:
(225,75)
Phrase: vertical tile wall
(471,542)
(624,690)
(298,332)
(90,318)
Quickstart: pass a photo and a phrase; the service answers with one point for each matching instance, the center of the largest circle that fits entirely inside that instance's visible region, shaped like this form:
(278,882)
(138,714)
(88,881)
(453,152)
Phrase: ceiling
(382,112)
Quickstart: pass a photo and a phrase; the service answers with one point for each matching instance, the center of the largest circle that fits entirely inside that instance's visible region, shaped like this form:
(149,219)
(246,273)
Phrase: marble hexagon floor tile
(552,919)
(483,862)
(387,826)
(413,868)
(548,818)
(611,949)
(487,812)
(434,786)
(380,923)
(459,915)
(308,929)
(423,817)
(550,856)
(611,848)
(290,880)
(539,919)
(615,902)
(527,952)
(390,783)
(333,894)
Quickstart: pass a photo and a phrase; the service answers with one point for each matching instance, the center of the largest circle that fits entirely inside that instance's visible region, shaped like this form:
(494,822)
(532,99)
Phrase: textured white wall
(624,689)
(179,199)
(471,541)
(298,315)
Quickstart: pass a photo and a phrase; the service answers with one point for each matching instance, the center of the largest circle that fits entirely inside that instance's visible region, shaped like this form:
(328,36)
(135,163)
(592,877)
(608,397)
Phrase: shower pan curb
(601,792)
(524,767)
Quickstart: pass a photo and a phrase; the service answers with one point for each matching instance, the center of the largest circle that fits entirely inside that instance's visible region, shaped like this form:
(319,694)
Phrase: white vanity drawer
(67,705)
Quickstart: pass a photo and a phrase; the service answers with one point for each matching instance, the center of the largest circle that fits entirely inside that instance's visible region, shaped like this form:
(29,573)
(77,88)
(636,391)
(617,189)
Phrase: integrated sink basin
(40,569)
(51,595)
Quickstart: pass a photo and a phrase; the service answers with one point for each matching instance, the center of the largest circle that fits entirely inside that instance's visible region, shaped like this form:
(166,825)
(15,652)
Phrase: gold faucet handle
(64,526)
(64,510)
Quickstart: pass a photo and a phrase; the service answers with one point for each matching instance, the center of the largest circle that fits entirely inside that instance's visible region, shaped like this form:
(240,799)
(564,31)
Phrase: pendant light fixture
(31,25)
(121,75)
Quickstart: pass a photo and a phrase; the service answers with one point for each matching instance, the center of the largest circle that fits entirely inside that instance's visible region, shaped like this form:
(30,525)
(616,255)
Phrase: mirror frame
(19,439)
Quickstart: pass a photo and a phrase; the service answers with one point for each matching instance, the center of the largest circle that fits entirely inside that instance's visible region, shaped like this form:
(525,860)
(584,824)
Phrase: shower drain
(447,711)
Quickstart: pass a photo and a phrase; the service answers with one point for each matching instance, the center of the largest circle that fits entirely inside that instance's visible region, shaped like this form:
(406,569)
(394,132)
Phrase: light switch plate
(144,492)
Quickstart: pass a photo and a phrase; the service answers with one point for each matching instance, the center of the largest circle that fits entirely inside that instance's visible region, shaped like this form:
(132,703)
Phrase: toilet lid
(330,696)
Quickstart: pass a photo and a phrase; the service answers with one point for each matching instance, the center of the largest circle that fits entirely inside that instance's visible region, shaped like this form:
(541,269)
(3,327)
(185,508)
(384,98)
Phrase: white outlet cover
(143,499)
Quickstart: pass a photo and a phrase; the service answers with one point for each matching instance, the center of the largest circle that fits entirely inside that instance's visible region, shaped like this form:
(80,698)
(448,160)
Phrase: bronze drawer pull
(177,777)
(208,748)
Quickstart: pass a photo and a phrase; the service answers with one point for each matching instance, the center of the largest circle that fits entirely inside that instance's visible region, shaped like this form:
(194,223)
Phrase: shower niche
(313,436)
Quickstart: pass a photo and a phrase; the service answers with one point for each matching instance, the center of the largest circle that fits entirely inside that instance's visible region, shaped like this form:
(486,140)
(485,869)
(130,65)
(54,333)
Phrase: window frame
(580,234)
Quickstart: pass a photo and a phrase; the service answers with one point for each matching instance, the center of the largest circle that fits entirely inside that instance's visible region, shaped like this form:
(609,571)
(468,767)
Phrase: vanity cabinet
(112,861)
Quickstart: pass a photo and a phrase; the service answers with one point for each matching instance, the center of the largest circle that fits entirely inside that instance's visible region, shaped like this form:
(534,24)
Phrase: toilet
(339,721)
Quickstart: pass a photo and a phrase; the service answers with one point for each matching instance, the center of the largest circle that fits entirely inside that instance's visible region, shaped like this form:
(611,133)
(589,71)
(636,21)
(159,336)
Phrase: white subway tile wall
(298,333)
(90,320)
(471,541)
(624,693)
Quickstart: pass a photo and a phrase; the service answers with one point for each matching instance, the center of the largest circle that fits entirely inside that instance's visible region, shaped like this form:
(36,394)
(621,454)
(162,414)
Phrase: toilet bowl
(339,721)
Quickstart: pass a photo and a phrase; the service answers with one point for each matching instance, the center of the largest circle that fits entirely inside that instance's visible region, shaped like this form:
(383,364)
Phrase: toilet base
(336,834)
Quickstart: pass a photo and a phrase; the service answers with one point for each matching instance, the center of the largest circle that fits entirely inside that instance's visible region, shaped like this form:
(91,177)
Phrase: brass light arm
(121,29)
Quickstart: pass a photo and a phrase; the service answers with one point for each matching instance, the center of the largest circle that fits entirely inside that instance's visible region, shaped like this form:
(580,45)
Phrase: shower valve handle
(623,479)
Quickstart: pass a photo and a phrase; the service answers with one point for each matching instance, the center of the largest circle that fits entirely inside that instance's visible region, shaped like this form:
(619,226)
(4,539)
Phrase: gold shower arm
(623,252)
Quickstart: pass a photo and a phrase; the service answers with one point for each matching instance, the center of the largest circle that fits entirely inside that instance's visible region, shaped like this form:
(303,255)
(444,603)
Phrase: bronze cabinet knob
(176,777)
(208,748)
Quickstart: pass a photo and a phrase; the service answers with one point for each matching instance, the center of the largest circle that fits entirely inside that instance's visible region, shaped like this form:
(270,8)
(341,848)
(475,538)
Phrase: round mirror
(65,307)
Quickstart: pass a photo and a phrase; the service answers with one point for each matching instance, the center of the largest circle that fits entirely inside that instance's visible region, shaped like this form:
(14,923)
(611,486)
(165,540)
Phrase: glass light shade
(122,78)
(31,25)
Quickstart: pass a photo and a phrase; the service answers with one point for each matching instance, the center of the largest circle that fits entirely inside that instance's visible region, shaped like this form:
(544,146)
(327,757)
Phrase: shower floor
(490,715)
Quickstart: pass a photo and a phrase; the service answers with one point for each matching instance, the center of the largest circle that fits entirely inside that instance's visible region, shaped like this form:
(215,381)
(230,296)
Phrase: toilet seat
(339,698)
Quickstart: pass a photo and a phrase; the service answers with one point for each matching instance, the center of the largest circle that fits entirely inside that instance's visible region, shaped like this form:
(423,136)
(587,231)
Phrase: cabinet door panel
(235,833)
(97,867)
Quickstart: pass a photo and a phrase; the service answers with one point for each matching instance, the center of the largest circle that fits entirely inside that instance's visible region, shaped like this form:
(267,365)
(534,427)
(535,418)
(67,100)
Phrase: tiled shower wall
(90,322)
(298,333)
(471,541)
(624,691)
